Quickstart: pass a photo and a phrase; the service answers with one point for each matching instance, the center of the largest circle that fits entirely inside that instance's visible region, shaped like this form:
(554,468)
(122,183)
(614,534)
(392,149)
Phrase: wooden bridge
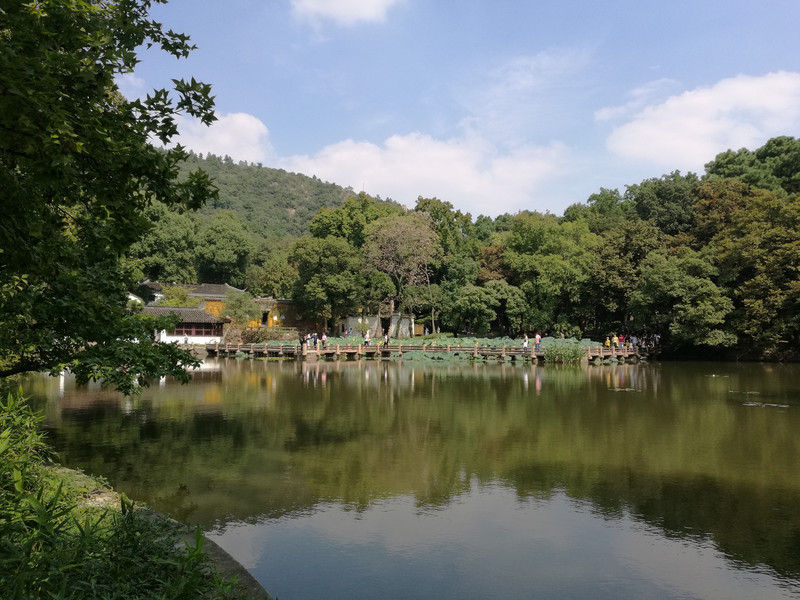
(336,352)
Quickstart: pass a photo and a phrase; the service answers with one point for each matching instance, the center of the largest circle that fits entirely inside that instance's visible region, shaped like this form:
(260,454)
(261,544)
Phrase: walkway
(278,350)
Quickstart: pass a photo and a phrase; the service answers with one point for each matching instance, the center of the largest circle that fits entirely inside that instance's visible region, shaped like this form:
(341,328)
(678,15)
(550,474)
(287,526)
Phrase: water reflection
(666,480)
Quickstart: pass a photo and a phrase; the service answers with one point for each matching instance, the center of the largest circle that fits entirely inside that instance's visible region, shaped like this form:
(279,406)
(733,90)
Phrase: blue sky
(494,106)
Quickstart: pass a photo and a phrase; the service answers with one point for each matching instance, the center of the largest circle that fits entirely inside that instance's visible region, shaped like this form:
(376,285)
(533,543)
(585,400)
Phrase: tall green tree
(271,274)
(755,243)
(604,211)
(455,229)
(615,273)
(512,306)
(166,251)
(666,202)
(677,296)
(472,309)
(775,166)
(224,248)
(350,220)
(329,276)
(77,172)
(551,262)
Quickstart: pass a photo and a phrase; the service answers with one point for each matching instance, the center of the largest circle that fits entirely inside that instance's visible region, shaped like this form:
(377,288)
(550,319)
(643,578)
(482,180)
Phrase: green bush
(564,351)
(269,334)
(53,545)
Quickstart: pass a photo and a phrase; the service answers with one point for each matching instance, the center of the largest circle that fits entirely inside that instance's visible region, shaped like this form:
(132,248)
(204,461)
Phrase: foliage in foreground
(53,547)
(78,173)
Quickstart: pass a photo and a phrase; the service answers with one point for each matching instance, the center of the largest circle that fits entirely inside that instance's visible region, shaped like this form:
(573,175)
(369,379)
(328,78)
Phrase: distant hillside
(273,202)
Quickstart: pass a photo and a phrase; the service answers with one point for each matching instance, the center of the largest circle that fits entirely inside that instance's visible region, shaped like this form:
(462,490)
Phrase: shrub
(565,351)
(52,545)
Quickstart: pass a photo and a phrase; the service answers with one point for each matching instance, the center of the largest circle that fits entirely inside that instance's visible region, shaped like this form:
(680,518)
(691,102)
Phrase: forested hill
(274,203)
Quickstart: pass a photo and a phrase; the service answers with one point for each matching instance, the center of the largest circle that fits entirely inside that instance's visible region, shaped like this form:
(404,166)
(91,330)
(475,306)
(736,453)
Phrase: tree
(166,251)
(224,248)
(511,305)
(603,211)
(472,309)
(351,219)
(755,244)
(551,262)
(77,172)
(615,273)
(271,274)
(329,276)
(775,166)
(666,202)
(678,297)
(403,247)
(176,295)
(455,229)
(241,309)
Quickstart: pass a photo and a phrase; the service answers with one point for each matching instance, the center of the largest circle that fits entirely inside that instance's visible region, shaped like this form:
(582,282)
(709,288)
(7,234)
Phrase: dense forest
(274,203)
(710,262)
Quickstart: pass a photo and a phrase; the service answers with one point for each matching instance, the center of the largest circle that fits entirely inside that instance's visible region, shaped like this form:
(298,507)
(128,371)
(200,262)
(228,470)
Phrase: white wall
(163,336)
(399,327)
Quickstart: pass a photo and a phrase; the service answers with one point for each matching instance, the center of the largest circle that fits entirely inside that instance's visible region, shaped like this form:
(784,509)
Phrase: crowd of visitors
(622,340)
(313,340)
(632,341)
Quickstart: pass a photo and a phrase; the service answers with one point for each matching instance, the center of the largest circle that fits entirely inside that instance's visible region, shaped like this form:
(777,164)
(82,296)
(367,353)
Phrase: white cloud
(639,98)
(467,171)
(239,135)
(343,12)
(131,86)
(688,130)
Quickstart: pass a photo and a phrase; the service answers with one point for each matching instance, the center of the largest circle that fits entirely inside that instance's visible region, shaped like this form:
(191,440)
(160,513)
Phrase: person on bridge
(538,341)
(525,343)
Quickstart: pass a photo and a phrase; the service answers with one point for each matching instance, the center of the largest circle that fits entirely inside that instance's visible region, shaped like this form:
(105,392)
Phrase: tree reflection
(675,446)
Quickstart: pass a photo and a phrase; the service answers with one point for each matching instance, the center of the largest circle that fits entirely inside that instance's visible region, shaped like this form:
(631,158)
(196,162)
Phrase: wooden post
(475,351)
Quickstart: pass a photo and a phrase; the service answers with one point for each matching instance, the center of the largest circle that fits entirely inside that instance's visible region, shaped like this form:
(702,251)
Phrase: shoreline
(246,587)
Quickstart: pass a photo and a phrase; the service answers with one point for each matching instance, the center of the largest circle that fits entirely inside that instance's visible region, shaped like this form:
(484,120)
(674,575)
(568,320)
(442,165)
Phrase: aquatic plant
(564,351)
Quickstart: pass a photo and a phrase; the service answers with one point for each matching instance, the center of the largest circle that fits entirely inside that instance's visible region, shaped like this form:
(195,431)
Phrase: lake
(422,480)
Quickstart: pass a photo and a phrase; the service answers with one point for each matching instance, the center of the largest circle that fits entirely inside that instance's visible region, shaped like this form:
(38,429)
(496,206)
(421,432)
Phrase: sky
(495,106)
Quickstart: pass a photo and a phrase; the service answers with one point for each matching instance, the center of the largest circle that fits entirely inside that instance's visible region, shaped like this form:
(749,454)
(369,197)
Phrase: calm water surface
(400,480)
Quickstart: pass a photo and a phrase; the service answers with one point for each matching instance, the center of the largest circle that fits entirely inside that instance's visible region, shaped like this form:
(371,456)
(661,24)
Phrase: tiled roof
(209,290)
(185,314)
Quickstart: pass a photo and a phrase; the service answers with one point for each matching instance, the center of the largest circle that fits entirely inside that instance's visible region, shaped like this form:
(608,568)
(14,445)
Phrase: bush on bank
(54,544)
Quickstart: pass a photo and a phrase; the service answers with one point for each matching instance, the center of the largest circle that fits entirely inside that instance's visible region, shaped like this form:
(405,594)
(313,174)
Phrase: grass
(57,542)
